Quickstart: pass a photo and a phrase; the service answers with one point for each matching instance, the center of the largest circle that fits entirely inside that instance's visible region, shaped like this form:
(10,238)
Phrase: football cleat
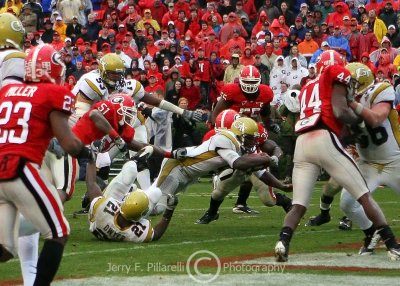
(207,218)
(370,243)
(318,220)
(281,252)
(345,223)
(394,253)
(241,209)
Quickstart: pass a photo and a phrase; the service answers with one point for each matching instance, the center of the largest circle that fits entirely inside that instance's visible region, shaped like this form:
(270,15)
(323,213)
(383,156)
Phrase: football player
(11,54)
(249,98)
(32,113)
(120,213)
(221,150)
(377,145)
(229,179)
(324,111)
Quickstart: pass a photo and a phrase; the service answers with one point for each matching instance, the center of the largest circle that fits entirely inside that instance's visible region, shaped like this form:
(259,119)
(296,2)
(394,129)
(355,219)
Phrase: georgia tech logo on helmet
(17,26)
(239,125)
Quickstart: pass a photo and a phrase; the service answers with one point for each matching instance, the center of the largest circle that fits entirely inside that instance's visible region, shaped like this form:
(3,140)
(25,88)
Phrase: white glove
(274,161)
(145,152)
(190,115)
(179,153)
(120,143)
(172,202)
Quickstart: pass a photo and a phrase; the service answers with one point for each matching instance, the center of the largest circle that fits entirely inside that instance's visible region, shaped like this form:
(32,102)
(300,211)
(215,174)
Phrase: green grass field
(233,239)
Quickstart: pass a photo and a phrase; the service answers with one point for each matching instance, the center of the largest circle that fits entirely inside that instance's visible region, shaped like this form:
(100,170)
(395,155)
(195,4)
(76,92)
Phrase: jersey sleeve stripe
(15,55)
(94,87)
(137,87)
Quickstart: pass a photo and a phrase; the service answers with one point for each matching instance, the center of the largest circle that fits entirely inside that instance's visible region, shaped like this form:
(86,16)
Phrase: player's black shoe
(345,223)
(318,220)
(207,218)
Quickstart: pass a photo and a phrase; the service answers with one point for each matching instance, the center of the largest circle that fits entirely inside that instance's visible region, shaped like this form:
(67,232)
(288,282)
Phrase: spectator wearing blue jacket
(338,41)
(324,47)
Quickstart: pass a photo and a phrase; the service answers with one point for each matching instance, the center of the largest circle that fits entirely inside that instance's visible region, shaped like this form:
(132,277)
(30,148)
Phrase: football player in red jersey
(31,114)
(324,109)
(249,97)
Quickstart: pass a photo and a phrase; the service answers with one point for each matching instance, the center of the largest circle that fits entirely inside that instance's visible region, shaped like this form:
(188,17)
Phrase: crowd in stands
(203,45)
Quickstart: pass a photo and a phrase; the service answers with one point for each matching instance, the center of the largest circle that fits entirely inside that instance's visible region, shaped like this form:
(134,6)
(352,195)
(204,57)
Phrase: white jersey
(91,86)
(380,144)
(12,67)
(218,152)
(133,88)
(102,218)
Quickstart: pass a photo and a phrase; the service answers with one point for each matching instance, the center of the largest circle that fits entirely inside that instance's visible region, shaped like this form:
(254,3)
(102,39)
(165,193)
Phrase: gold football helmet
(246,129)
(361,77)
(112,69)
(11,31)
(135,205)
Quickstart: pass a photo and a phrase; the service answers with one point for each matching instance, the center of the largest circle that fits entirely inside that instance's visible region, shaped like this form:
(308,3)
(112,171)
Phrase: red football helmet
(263,134)
(126,108)
(43,64)
(249,79)
(226,118)
(329,58)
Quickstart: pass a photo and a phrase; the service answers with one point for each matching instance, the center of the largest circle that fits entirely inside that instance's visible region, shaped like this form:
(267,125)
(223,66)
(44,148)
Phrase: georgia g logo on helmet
(117,99)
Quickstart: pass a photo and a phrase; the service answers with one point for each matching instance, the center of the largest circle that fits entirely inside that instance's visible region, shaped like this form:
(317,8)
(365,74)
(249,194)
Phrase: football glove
(56,149)
(179,153)
(172,202)
(120,143)
(274,127)
(190,115)
(274,161)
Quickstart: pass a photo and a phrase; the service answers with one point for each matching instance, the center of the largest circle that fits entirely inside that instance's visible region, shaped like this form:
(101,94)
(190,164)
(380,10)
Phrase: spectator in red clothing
(211,10)
(71,81)
(336,18)
(250,9)
(132,10)
(386,66)
(121,33)
(204,72)
(171,15)
(235,40)
(158,10)
(247,58)
(180,22)
(152,49)
(128,50)
(234,23)
(182,5)
(261,20)
(194,21)
(211,45)
(367,42)
(153,84)
(373,4)
(57,43)
(203,34)
(353,39)
(192,93)
(366,61)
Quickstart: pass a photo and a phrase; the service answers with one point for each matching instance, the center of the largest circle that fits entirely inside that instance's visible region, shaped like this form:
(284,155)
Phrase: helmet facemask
(249,85)
(129,115)
(112,78)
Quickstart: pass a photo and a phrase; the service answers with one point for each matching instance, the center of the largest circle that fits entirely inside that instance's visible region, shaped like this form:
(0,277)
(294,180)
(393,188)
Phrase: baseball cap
(211,33)
(346,18)
(129,34)
(324,44)
(225,62)
(196,78)
(171,23)
(67,40)
(298,19)
(269,45)
(164,32)
(337,27)
(74,17)
(165,68)
(392,27)
(147,11)
(59,18)
(361,6)
(56,33)
(235,56)
(324,24)
(118,47)
(105,45)
(75,48)
(303,5)
(121,26)
(200,48)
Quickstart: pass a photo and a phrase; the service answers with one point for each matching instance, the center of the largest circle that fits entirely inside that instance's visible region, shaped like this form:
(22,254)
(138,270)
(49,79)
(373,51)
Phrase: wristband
(113,134)
(358,110)
(167,154)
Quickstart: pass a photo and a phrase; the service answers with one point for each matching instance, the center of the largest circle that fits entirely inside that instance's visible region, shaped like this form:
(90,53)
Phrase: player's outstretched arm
(68,141)
(252,161)
(270,180)
(168,106)
(162,226)
(93,189)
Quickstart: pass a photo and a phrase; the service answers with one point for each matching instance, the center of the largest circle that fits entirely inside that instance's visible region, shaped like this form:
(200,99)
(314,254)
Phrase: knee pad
(347,202)
(223,184)
(161,206)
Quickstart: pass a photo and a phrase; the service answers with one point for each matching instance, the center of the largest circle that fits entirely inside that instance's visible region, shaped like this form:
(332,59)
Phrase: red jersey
(250,108)
(87,132)
(209,134)
(315,100)
(24,112)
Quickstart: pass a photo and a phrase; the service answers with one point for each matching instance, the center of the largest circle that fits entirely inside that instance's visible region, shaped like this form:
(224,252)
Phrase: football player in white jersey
(221,150)
(377,145)
(120,213)
(11,56)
